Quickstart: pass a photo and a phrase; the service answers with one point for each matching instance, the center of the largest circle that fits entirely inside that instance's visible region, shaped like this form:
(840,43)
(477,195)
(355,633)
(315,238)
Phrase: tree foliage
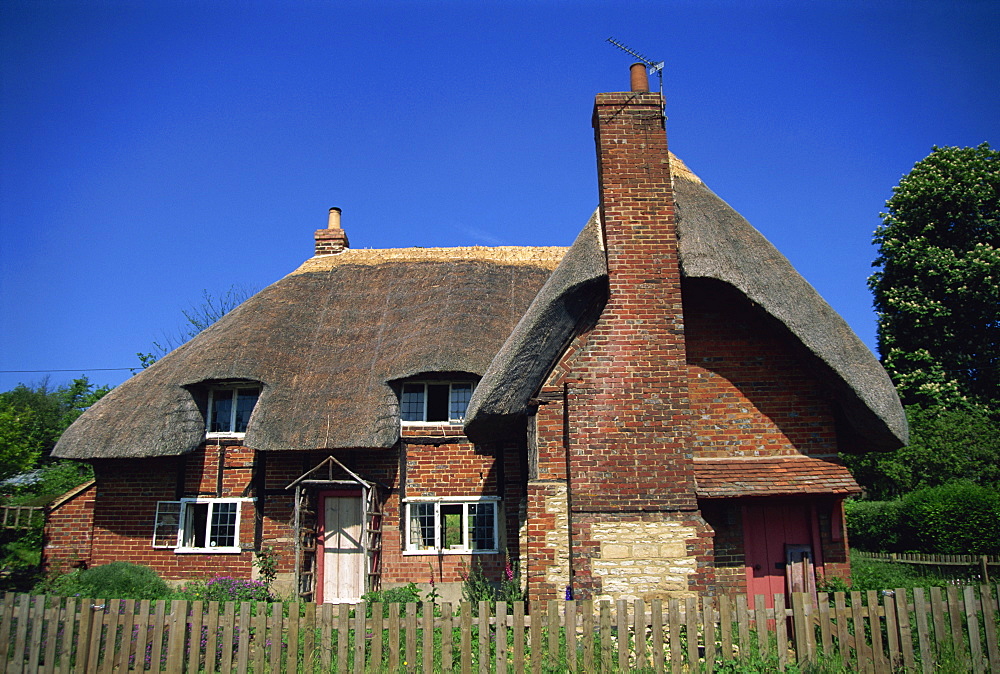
(937,292)
(945,445)
(33,417)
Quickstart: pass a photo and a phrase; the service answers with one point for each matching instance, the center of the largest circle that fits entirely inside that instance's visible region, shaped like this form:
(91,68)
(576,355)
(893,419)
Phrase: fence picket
(37,618)
(447,639)
(972,620)
(990,624)
(622,625)
(360,636)
(570,632)
(226,625)
(275,630)
(656,627)
(243,650)
(394,637)
(708,611)
(587,624)
(69,622)
(428,638)
(465,638)
(536,610)
(781,628)
(53,606)
(955,623)
(501,637)
(343,635)
(691,613)
(378,623)
(211,636)
(308,637)
(518,637)
(923,638)
(760,618)
(903,620)
(484,637)
(410,652)
(726,627)
(292,627)
(865,659)
(552,630)
(674,622)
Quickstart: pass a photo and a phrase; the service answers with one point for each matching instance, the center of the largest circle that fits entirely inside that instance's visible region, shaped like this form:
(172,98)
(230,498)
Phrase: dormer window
(229,408)
(435,401)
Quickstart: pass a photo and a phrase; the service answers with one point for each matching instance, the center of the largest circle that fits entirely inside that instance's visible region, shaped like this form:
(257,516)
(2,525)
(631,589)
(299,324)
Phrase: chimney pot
(639,77)
(333,239)
(333,222)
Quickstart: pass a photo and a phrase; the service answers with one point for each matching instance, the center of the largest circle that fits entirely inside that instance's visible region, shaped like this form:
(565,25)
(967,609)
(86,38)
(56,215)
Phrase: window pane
(460,395)
(451,527)
(222,411)
(437,402)
(223,530)
(411,403)
(246,398)
(482,533)
(168,521)
(421,526)
(195,522)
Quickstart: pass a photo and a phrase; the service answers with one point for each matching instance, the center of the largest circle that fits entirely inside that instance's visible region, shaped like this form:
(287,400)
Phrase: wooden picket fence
(881,632)
(967,569)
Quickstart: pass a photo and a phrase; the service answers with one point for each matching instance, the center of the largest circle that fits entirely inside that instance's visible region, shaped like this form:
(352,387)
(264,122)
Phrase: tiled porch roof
(772,476)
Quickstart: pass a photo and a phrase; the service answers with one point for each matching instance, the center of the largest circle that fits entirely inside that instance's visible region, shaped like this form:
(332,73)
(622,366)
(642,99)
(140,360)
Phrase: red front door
(772,532)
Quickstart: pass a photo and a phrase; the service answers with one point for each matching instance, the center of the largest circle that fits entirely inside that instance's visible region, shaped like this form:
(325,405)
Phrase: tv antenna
(654,67)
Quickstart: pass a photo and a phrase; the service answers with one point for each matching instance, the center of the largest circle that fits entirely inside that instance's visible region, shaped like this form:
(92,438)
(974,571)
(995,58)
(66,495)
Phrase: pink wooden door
(769,531)
(343,557)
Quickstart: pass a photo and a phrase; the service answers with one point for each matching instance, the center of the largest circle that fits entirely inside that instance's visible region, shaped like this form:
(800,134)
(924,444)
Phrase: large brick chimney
(637,418)
(633,529)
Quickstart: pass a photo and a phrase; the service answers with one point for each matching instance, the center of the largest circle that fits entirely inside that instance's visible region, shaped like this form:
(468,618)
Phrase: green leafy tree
(937,292)
(33,417)
(945,445)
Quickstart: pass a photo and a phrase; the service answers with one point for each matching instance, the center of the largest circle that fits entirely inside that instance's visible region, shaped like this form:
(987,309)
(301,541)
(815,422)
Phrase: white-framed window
(435,401)
(452,525)
(229,408)
(198,525)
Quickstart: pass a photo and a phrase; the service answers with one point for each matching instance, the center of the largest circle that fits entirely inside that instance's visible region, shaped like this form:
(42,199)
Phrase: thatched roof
(716,243)
(325,342)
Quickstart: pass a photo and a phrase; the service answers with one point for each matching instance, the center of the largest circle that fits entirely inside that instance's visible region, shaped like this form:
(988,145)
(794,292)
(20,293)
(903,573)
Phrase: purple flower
(569,593)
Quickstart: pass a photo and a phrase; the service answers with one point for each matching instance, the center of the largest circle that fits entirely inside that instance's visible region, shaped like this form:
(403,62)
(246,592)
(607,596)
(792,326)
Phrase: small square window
(229,408)
(433,401)
(452,526)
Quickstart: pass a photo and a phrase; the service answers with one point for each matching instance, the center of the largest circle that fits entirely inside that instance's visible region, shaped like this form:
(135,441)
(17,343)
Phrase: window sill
(435,553)
(209,551)
(222,436)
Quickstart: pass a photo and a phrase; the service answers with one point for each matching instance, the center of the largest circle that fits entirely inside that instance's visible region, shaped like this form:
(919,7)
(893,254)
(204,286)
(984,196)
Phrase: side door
(342,558)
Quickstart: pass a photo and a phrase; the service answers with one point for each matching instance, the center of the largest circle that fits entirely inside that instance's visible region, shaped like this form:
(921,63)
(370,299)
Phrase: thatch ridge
(324,345)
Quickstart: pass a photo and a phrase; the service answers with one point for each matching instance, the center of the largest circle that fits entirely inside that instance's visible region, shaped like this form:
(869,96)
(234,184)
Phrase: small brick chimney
(333,239)
(635,417)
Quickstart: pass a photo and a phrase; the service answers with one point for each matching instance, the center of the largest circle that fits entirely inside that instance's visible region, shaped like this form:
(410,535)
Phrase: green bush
(117,580)
(959,518)
(874,525)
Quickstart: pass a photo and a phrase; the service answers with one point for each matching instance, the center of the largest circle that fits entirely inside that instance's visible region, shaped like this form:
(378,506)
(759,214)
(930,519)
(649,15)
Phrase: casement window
(452,526)
(198,525)
(229,408)
(435,401)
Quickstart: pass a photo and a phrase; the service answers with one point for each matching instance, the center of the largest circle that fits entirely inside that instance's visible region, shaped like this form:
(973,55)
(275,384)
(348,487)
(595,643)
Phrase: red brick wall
(751,393)
(69,531)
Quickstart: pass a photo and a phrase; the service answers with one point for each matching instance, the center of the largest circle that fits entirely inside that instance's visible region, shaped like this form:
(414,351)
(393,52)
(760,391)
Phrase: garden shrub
(117,580)
(959,518)
(874,525)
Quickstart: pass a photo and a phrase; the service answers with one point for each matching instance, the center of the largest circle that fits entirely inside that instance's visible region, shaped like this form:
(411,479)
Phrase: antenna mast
(656,67)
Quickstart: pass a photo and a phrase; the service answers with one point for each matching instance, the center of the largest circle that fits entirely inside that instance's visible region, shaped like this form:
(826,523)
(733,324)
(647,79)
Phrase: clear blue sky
(152,150)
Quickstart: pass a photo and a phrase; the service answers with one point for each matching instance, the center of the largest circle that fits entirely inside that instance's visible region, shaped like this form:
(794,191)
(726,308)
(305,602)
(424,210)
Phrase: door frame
(358,493)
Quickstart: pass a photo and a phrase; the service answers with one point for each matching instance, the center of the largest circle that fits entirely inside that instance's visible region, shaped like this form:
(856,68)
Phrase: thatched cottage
(655,411)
